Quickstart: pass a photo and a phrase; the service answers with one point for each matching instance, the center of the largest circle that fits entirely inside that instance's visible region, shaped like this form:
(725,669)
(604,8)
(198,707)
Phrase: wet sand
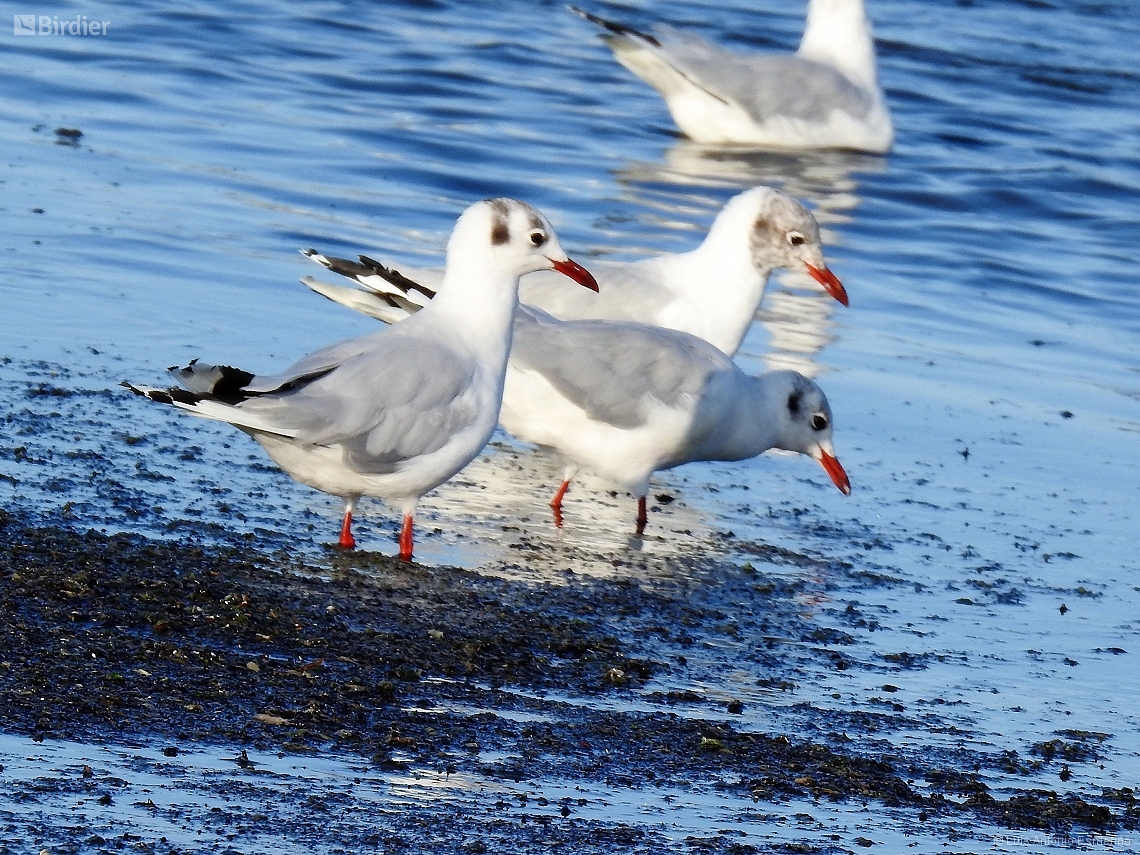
(243,649)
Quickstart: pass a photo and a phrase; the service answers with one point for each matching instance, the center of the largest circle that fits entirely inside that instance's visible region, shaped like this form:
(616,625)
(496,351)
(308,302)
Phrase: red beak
(835,470)
(829,281)
(579,273)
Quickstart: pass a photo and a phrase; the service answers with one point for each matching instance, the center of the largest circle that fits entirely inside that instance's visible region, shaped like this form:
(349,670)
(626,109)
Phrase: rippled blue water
(992,259)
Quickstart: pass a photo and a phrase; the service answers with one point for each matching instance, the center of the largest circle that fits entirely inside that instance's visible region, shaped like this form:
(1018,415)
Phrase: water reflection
(497,512)
(796,315)
(816,176)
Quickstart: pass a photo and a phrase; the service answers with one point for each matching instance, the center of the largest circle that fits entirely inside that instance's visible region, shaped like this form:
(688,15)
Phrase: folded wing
(614,372)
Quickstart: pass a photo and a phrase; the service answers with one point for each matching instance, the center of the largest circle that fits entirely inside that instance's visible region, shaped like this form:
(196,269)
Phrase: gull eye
(538,237)
(818,421)
(796,239)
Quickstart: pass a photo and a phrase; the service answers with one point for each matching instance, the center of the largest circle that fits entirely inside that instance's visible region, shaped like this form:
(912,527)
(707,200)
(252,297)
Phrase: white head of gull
(395,413)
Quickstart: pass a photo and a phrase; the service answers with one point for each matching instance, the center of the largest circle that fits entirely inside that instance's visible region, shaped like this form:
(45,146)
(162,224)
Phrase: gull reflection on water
(688,184)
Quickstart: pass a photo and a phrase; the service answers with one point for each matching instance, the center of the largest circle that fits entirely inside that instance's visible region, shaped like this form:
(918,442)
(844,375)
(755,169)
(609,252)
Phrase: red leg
(406,539)
(642,518)
(347,541)
(556,502)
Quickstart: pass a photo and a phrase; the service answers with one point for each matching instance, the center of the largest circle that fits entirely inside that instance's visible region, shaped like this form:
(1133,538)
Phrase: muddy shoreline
(240,644)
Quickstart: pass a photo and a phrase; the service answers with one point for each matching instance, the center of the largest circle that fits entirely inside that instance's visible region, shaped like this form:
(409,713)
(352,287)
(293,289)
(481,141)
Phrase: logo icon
(23,25)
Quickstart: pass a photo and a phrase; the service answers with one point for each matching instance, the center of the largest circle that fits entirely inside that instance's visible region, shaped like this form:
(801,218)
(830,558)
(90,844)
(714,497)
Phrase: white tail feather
(365,302)
(216,410)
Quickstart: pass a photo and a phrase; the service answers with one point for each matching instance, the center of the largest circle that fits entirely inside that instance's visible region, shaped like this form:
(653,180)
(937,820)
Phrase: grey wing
(766,85)
(385,406)
(314,365)
(630,291)
(613,371)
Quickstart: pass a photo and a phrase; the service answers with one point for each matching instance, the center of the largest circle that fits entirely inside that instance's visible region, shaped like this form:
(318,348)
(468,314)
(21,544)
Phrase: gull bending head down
(626,400)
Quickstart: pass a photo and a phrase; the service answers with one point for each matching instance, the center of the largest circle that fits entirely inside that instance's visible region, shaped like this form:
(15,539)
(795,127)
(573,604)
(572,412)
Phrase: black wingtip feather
(343,266)
(614,27)
(164,396)
(173,395)
(369,267)
(395,277)
(229,388)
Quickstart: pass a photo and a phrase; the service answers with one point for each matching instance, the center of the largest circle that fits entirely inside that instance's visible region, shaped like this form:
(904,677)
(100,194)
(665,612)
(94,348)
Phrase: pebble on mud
(616,676)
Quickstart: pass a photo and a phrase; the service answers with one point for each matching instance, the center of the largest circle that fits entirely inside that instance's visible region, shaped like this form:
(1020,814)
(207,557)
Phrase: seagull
(712,291)
(625,400)
(395,413)
(825,95)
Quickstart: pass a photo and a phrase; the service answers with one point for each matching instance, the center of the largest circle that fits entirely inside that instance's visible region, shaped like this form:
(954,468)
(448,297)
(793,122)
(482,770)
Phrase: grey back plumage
(766,85)
(614,384)
(364,395)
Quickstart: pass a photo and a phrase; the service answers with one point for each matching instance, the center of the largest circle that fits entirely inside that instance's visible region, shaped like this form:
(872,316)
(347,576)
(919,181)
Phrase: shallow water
(985,381)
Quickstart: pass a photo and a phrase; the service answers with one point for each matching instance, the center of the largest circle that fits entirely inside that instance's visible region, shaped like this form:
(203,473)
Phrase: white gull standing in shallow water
(825,95)
(625,400)
(712,291)
(396,413)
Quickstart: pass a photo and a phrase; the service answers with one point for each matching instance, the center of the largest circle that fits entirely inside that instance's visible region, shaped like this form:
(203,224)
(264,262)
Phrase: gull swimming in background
(712,291)
(395,413)
(825,95)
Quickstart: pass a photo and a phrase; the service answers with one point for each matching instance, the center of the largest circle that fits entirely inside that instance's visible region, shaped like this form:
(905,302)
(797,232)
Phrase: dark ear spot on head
(764,234)
(500,219)
(794,401)
(500,232)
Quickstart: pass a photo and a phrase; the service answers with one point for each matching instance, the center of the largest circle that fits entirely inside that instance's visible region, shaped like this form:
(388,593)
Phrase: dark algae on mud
(114,636)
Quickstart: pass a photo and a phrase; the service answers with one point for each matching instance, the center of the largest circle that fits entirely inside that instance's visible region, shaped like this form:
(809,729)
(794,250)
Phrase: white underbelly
(325,468)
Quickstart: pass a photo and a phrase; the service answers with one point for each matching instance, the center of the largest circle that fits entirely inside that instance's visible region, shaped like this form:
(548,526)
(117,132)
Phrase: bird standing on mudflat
(395,413)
